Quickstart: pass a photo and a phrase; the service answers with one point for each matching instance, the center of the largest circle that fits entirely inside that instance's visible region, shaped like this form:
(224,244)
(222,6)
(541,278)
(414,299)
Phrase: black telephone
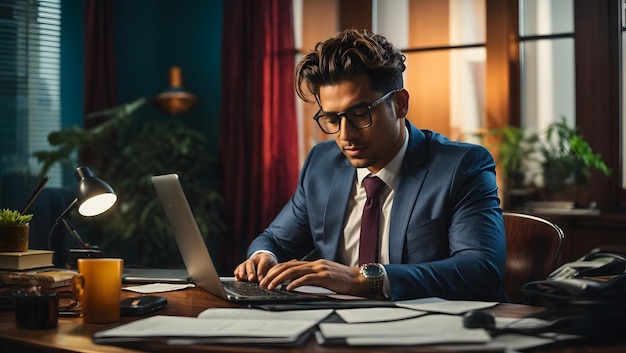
(595,263)
(595,294)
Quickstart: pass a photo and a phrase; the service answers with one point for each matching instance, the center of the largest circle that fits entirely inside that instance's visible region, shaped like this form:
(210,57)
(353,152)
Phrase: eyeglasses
(359,117)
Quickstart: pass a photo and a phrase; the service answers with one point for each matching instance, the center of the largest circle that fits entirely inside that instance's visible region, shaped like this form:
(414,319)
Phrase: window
(444,43)
(542,63)
(446,59)
(547,66)
(547,62)
(30,105)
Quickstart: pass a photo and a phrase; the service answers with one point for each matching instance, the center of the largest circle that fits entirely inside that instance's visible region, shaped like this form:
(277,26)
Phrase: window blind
(30,104)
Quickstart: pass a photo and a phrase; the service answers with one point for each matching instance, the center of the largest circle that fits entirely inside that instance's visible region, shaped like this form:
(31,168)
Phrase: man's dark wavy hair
(348,54)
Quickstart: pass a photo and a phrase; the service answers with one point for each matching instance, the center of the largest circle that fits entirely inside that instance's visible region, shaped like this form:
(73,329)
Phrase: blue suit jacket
(446,237)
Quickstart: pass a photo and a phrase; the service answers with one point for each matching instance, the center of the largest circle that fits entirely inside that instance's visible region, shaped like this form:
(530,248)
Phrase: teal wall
(150,37)
(72,47)
(153,35)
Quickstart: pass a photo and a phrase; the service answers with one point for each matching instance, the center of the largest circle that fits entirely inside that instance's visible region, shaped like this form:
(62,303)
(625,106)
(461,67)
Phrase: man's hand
(255,268)
(322,273)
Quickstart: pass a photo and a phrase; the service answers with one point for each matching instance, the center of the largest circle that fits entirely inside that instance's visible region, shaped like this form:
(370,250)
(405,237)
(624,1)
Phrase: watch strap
(374,283)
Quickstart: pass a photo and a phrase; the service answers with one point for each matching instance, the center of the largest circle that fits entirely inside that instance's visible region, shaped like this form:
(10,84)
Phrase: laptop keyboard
(251,289)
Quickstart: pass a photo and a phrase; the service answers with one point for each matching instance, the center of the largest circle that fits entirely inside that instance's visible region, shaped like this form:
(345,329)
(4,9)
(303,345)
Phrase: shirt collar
(391,172)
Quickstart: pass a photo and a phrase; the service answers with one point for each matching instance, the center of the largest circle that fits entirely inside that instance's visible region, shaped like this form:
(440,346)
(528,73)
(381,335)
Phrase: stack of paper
(219,325)
(426,321)
(428,329)
(430,321)
(45,278)
(406,324)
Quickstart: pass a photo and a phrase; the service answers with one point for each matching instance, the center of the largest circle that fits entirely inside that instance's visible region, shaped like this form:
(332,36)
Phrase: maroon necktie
(368,244)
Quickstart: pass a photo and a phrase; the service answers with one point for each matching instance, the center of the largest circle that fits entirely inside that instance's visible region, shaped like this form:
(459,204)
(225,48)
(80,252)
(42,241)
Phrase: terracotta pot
(14,238)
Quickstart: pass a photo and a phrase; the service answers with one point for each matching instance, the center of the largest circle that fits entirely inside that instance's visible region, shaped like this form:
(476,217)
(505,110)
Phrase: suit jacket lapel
(413,174)
(338,197)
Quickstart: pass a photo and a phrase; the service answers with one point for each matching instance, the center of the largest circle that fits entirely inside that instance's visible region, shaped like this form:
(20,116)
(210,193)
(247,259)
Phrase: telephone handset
(596,292)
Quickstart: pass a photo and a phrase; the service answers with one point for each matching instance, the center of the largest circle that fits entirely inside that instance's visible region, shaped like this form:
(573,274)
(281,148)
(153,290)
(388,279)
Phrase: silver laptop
(196,255)
(155,275)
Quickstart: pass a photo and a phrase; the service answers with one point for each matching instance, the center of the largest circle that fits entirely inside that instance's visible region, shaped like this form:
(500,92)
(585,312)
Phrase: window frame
(30,79)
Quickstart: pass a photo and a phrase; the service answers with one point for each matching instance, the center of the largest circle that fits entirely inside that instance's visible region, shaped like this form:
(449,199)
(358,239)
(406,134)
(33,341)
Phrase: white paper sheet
(189,327)
(438,305)
(429,329)
(313,316)
(218,325)
(158,287)
(360,315)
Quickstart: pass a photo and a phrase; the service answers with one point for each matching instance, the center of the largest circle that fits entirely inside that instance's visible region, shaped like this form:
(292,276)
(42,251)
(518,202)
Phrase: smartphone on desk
(141,305)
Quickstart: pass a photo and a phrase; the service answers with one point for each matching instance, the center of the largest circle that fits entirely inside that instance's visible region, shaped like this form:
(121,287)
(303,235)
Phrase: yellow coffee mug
(98,287)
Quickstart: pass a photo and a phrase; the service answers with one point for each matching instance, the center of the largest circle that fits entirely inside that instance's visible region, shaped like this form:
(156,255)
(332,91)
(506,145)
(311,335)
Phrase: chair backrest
(532,248)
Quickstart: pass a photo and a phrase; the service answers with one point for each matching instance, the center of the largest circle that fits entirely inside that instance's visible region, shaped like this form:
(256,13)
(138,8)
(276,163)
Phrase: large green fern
(126,150)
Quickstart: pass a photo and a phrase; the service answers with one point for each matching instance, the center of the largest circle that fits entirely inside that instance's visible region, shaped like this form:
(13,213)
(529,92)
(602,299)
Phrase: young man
(440,229)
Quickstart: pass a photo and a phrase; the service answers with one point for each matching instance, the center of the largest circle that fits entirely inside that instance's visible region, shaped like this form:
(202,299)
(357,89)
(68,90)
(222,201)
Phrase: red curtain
(99,81)
(258,133)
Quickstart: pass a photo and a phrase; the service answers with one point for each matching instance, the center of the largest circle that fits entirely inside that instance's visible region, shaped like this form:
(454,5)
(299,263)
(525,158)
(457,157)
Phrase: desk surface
(74,336)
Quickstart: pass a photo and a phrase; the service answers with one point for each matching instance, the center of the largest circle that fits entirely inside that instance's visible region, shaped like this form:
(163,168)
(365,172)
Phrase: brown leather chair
(532,249)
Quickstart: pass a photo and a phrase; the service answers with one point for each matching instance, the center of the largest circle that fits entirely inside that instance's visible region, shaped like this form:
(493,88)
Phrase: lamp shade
(174,100)
(94,195)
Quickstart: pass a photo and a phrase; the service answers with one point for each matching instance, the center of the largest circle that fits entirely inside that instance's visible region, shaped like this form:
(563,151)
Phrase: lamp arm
(73,232)
(62,219)
(67,210)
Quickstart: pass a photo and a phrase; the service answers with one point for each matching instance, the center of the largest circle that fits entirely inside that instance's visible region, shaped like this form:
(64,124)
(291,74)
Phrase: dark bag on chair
(586,297)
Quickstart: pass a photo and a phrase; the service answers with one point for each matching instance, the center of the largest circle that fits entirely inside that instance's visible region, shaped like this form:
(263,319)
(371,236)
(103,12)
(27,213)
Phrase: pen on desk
(36,193)
(310,256)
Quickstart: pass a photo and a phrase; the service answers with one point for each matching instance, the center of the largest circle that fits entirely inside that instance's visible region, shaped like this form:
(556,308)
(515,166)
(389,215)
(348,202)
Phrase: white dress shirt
(390,174)
(348,254)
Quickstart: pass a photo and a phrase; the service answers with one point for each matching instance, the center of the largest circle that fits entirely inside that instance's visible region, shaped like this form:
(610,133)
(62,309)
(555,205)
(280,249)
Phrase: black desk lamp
(93,198)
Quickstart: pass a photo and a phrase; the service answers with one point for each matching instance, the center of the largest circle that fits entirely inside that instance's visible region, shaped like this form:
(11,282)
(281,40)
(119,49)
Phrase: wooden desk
(74,336)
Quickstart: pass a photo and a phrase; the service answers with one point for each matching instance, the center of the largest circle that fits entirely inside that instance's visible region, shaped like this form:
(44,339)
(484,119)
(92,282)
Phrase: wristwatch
(374,275)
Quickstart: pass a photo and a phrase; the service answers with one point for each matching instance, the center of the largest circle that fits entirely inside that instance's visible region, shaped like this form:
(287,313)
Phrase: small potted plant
(515,148)
(14,231)
(567,158)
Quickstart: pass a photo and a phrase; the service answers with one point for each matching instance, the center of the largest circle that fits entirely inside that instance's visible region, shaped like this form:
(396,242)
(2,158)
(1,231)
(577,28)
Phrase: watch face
(372,271)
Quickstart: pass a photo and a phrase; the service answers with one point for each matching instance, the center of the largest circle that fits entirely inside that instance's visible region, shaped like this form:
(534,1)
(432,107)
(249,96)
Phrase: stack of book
(25,260)
(32,268)
(48,278)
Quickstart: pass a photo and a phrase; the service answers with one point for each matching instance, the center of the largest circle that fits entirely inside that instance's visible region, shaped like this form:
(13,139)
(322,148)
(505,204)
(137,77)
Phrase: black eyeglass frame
(346,113)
